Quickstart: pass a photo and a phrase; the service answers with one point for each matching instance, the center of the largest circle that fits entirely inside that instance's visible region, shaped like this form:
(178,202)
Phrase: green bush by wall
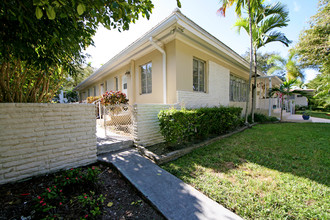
(182,126)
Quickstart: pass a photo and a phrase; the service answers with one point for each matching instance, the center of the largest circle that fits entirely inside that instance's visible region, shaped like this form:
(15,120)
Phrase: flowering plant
(55,198)
(92,99)
(114,98)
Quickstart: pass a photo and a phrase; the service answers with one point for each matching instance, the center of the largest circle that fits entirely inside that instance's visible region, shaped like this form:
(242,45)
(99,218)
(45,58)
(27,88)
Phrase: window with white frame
(198,75)
(146,78)
(237,89)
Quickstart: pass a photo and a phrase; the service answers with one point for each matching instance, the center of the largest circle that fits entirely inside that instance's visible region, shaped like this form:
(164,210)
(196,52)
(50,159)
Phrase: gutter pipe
(164,68)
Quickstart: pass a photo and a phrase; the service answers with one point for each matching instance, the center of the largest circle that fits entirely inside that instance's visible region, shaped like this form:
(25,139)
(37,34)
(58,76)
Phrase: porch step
(107,145)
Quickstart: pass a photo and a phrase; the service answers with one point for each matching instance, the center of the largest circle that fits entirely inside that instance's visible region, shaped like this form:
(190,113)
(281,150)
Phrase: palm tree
(264,20)
(289,68)
(283,90)
(252,5)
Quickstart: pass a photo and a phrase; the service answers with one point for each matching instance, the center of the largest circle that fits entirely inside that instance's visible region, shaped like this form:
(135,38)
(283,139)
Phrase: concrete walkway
(172,197)
(298,118)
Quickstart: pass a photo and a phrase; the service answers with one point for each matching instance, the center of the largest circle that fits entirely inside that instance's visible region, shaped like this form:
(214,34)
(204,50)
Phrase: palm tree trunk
(254,87)
(281,107)
(251,62)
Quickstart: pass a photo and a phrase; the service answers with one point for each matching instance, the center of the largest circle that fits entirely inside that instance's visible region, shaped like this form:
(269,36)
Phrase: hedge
(182,126)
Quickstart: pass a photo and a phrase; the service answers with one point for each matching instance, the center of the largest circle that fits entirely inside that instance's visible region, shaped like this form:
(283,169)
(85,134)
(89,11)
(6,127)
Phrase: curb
(161,159)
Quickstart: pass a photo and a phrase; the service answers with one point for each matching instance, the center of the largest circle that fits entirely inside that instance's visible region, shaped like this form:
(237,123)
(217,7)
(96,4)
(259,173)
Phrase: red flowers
(48,190)
(114,98)
(61,203)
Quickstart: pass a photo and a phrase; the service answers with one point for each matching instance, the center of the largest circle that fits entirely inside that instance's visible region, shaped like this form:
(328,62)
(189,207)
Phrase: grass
(317,114)
(272,171)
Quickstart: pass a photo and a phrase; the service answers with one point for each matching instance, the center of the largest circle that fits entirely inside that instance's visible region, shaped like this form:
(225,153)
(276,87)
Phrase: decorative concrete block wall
(41,138)
(146,124)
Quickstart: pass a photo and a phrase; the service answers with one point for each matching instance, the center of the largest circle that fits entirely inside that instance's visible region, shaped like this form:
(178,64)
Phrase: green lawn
(271,171)
(317,114)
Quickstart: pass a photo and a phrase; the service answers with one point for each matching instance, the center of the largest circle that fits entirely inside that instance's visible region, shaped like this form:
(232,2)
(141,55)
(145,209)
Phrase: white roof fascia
(204,35)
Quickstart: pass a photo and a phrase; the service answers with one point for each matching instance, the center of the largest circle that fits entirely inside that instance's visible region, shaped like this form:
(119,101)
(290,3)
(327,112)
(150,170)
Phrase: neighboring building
(299,98)
(178,63)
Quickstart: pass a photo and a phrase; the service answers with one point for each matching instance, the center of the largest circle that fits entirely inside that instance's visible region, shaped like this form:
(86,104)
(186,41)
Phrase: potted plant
(306,115)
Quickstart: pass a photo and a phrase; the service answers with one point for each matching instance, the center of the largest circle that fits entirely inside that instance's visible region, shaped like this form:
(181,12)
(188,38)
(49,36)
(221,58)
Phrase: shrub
(114,98)
(182,126)
(261,118)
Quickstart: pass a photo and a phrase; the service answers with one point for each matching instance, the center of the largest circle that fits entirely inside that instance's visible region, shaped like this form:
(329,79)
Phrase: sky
(108,43)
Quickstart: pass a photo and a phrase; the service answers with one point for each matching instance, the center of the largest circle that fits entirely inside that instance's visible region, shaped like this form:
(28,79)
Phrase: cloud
(296,6)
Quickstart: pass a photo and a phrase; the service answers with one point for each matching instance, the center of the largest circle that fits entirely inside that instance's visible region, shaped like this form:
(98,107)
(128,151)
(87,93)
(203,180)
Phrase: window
(94,88)
(101,89)
(116,79)
(124,80)
(237,89)
(146,78)
(198,75)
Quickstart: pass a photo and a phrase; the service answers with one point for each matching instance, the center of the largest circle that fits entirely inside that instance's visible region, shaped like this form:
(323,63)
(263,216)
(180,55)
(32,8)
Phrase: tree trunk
(251,62)
(281,107)
(254,87)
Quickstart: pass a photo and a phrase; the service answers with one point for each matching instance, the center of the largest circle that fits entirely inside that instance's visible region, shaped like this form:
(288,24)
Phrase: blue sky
(203,12)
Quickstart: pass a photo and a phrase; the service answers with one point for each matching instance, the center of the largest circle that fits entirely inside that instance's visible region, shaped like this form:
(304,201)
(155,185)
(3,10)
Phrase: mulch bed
(122,201)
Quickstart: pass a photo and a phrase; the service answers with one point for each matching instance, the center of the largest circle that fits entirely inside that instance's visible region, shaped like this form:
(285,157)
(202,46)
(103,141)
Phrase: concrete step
(108,145)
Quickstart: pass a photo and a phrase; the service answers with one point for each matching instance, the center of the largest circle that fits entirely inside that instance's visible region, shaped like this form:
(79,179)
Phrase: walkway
(298,118)
(110,142)
(172,197)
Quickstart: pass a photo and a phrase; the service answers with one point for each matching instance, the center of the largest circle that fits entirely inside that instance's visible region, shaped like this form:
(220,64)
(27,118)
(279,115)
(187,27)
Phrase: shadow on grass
(301,149)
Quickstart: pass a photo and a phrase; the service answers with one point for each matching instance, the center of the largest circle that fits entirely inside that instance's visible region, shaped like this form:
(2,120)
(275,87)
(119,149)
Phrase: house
(178,63)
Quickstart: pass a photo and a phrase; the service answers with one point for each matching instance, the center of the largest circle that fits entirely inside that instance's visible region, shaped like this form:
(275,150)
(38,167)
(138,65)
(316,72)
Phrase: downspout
(164,68)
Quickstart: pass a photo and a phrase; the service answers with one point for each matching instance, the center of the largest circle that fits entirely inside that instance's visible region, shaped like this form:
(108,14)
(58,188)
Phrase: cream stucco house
(178,62)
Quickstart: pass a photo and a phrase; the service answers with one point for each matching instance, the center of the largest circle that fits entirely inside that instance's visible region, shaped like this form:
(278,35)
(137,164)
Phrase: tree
(262,59)
(264,20)
(313,49)
(44,39)
(252,5)
(283,90)
(321,83)
(289,68)
(313,46)
(81,74)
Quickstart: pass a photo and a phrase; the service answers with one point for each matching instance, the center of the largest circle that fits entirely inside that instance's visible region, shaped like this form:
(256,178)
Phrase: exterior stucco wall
(301,101)
(186,52)
(171,72)
(156,96)
(218,90)
(41,138)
